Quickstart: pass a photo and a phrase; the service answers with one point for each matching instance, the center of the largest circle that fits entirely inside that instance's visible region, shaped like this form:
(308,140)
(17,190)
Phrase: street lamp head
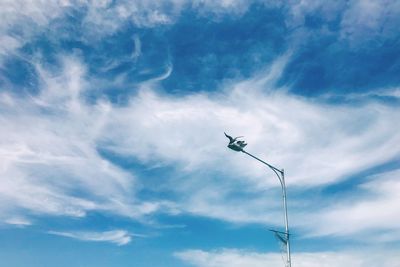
(234,144)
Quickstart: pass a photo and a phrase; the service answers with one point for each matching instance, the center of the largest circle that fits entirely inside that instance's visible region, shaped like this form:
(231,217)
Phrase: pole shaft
(288,258)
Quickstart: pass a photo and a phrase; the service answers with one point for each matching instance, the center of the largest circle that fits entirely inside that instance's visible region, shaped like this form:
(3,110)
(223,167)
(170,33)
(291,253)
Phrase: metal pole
(281,178)
(289,262)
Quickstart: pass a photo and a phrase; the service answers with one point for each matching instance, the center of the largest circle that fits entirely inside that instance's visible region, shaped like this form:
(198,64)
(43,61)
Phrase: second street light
(238,146)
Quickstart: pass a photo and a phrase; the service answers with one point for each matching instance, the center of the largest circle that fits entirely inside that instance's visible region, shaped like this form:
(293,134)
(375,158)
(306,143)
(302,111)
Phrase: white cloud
(317,143)
(8,45)
(233,7)
(119,237)
(292,132)
(103,19)
(372,213)
(18,221)
(242,258)
(298,10)
(390,92)
(50,161)
(370,19)
(17,11)
(360,21)
(21,20)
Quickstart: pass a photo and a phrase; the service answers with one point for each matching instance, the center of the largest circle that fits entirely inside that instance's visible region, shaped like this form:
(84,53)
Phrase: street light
(238,146)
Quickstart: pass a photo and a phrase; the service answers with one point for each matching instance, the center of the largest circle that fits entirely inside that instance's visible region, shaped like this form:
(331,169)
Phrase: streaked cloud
(118,108)
(48,152)
(57,153)
(18,221)
(118,237)
(365,20)
(370,213)
(338,134)
(241,258)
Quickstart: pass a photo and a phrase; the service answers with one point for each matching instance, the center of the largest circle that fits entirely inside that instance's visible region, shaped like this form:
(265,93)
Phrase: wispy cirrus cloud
(343,29)
(358,20)
(18,221)
(118,237)
(49,153)
(22,20)
(338,134)
(365,20)
(105,17)
(58,155)
(335,140)
(119,107)
(370,212)
(241,258)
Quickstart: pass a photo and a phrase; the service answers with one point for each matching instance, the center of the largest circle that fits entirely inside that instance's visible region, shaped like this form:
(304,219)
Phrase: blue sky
(112,118)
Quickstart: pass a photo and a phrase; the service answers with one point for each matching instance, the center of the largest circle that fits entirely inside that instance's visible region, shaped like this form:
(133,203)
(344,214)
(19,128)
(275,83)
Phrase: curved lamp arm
(279,173)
